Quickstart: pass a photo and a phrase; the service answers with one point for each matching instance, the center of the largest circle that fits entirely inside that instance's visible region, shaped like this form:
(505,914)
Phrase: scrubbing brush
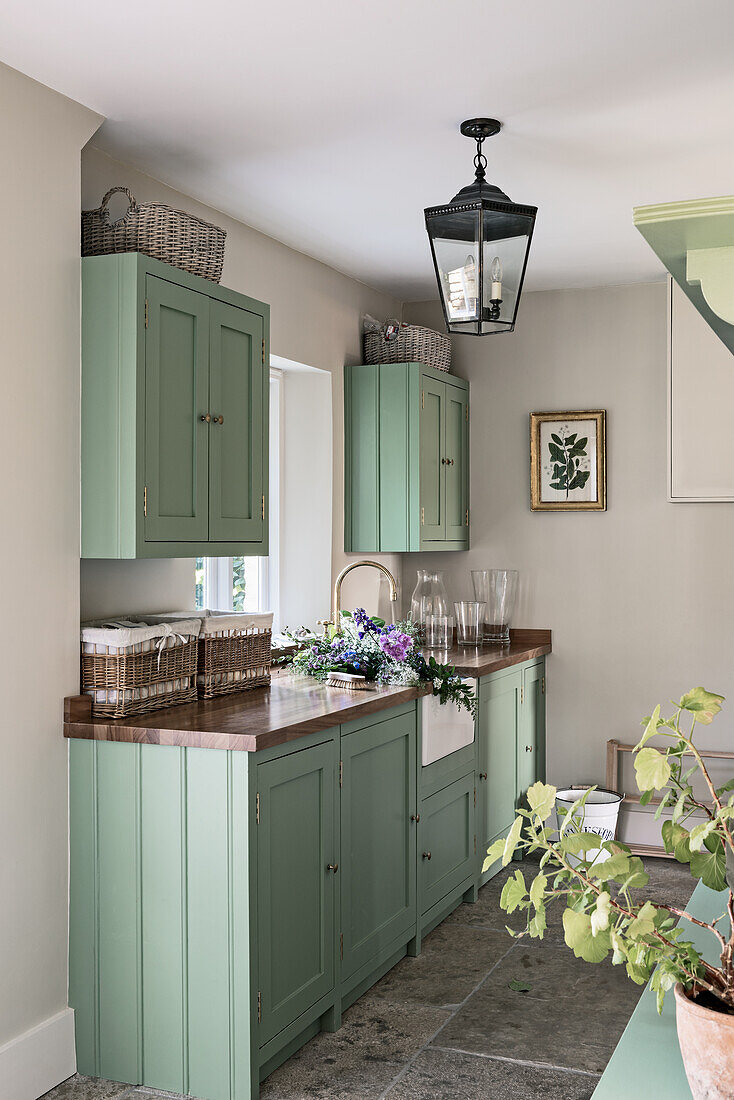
(348,681)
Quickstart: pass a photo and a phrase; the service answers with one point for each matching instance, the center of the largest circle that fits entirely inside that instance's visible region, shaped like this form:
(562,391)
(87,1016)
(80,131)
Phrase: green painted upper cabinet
(174,413)
(406,464)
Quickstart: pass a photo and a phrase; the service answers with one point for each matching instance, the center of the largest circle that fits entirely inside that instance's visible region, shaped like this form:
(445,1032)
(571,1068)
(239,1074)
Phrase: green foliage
(601,915)
(567,452)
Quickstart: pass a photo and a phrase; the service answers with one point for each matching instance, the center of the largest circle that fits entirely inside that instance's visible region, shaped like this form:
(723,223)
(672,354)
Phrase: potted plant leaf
(597,888)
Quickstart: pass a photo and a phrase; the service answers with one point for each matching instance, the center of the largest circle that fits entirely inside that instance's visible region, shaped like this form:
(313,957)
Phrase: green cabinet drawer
(378,838)
(175,401)
(446,853)
(406,452)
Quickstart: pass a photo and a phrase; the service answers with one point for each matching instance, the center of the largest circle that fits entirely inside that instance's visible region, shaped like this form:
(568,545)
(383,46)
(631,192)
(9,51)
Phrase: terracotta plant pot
(706,1040)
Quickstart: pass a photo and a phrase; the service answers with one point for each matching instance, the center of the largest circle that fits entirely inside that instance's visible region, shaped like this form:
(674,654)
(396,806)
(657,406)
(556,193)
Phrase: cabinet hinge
(423,399)
(259,1006)
(341,946)
(467,413)
(257,807)
(145,500)
(467,517)
(522,695)
(263,351)
(542,686)
(341,772)
(263,506)
(475,844)
(423,517)
(475,796)
(146,312)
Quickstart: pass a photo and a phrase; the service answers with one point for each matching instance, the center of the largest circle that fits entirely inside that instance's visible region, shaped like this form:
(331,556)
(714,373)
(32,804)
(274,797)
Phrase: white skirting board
(36,1061)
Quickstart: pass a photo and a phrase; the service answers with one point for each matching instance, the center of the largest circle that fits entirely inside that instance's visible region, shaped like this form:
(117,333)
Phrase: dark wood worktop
(472,661)
(290,708)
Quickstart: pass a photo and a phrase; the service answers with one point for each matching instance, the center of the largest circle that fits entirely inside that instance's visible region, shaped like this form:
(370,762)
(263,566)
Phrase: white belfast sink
(445,729)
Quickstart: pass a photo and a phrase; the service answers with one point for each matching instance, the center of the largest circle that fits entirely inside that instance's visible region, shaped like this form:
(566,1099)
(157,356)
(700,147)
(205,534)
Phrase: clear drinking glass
(435,612)
(469,621)
(498,589)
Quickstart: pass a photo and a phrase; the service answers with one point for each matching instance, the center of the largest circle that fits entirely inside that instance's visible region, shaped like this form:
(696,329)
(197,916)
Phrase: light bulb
(496,273)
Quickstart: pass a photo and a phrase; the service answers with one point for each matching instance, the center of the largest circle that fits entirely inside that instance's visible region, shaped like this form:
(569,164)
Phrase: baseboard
(38,1060)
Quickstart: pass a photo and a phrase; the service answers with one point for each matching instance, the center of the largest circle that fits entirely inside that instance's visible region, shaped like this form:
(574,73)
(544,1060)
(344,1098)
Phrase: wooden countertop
(290,708)
(471,661)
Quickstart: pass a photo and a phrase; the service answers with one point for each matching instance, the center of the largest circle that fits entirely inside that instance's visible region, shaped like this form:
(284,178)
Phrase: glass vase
(497,588)
(435,612)
(417,609)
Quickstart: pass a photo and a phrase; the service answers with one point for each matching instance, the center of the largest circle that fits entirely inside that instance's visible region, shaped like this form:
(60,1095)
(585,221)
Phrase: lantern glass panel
(455,242)
(506,240)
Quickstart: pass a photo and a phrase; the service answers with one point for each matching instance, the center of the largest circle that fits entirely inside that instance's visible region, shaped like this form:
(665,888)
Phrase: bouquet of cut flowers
(386,654)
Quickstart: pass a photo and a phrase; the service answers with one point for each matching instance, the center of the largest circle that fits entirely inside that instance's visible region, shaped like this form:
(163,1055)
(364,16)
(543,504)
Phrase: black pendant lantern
(480,243)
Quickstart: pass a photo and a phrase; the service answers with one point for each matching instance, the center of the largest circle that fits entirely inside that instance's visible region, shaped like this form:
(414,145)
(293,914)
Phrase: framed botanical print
(568,461)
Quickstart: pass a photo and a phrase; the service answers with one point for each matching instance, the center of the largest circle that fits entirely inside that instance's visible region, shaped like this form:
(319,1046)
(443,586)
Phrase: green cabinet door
(497,734)
(406,459)
(433,460)
(531,741)
(457,471)
(176,398)
(378,838)
(447,841)
(239,424)
(296,844)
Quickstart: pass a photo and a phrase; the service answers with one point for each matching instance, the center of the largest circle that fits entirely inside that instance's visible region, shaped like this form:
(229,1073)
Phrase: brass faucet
(337,602)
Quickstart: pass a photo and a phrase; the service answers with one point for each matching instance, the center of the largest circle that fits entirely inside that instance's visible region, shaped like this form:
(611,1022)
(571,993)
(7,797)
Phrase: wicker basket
(130,669)
(234,649)
(234,653)
(177,238)
(413,344)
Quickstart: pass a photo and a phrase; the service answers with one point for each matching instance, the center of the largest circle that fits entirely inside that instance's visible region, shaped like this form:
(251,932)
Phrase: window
(250,584)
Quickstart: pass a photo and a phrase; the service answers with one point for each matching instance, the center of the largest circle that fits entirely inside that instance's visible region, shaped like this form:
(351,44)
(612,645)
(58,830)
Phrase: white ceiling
(331,124)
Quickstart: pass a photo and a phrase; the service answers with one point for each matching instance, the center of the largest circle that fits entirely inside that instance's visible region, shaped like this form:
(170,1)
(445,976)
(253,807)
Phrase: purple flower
(395,644)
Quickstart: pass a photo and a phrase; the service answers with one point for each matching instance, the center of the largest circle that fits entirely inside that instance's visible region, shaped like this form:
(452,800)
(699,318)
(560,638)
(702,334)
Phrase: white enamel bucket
(598,815)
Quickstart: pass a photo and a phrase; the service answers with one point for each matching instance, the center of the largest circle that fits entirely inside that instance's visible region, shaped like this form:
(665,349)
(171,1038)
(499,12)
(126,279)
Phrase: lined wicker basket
(234,649)
(413,344)
(234,653)
(177,238)
(131,669)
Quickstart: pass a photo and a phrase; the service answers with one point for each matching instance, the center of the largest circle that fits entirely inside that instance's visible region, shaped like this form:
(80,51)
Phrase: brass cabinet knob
(528,748)
(482,775)
(426,855)
(206,418)
(443,461)
(332,867)
(218,419)
(415,817)
(450,462)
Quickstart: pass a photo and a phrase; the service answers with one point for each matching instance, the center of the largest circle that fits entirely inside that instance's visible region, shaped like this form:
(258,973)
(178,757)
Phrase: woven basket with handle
(413,344)
(177,238)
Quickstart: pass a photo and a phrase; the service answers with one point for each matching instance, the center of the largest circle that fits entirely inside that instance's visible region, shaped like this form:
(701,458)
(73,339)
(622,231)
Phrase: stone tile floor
(447,1025)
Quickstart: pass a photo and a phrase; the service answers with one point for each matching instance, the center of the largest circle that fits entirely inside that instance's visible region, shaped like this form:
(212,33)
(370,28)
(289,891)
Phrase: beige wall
(316,316)
(640,597)
(41,135)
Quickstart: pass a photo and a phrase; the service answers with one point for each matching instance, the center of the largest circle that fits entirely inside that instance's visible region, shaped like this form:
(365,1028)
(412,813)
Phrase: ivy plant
(598,889)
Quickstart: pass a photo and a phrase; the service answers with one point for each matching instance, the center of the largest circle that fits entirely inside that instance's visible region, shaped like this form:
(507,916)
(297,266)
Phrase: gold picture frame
(568,468)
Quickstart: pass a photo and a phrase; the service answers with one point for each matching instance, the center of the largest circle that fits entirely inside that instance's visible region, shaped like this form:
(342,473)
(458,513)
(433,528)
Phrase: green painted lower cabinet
(510,749)
(225,906)
(296,892)
(378,839)
(447,841)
